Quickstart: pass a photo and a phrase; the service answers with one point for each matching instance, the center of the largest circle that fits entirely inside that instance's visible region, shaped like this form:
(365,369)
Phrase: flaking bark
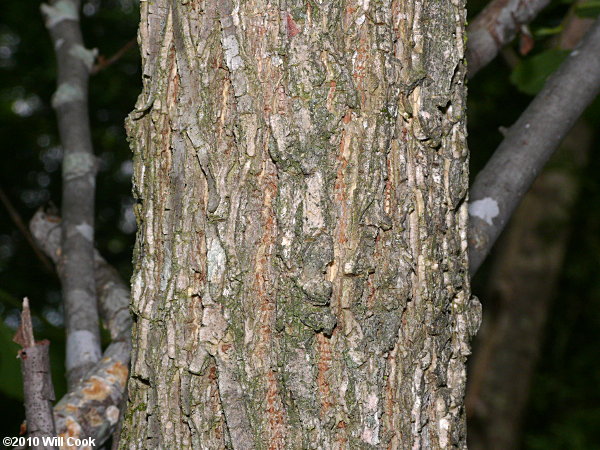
(301,278)
(91,408)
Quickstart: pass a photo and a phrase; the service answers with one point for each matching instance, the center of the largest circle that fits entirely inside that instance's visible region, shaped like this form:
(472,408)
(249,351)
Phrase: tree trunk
(301,278)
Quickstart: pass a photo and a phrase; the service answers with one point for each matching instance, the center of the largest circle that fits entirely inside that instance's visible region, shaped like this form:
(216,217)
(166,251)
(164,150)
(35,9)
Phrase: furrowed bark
(529,143)
(37,381)
(91,408)
(76,268)
(496,26)
(301,278)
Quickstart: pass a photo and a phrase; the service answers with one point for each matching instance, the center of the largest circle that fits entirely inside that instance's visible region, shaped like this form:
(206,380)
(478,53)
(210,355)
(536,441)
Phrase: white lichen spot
(59,11)
(312,202)
(235,15)
(360,20)
(444,427)
(367,436)
(276,60)
(86,56)
(372,401)
(486,209)
(232,51)
(215,260)
(85,230)
(112,414)
(78,164)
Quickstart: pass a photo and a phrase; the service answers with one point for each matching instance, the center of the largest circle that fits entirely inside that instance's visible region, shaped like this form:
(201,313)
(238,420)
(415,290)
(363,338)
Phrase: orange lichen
(119,371)
(95,389)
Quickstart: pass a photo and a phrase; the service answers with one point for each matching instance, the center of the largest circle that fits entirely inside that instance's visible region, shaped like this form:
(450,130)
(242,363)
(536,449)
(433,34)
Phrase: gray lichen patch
(86,56)
(66,93)
(78,164)
(59,11)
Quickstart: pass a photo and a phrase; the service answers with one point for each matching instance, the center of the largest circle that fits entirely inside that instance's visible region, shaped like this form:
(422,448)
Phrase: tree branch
(37,381)
(529,143)
(76,269)
(496,26)
(91,408)
(16,218)
(104,63)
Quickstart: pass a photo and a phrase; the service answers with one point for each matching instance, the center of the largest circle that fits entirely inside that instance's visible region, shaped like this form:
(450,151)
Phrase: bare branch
(37,381)
(91,409)
(18,221)
(495,27)
(76,269)
(103,63)
(529,143)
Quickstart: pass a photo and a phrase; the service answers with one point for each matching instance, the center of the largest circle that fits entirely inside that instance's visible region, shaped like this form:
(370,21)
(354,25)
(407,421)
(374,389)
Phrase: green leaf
(547,31)
(531,73)
(10,366)
(589,9)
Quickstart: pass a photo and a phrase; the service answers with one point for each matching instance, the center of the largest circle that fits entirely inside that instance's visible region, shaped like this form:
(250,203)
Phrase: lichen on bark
(301,274)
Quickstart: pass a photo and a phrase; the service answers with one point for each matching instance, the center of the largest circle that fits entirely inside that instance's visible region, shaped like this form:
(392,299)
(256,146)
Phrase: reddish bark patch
(292,28)
(276,418)
(226,347)
(323,368)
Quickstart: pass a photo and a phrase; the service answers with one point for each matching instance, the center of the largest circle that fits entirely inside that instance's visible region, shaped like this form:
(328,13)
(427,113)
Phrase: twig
(496,26)
(18,221)
(529,143)
(103,63)
(37,382)
(76,269)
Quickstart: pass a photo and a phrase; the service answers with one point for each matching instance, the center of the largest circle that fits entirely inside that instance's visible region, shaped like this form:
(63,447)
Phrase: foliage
(531,73)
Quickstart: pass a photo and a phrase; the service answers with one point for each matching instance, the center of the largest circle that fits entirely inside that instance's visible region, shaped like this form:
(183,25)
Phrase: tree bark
(301,277)
(76,266)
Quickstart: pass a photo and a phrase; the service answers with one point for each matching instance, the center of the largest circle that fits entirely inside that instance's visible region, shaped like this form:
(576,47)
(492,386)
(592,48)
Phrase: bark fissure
(301,275)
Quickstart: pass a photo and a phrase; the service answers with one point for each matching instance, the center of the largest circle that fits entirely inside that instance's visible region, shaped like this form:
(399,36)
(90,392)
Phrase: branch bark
(521,289)
(37,382)
(529,143)
(495,27)
(76,269)
(91,408)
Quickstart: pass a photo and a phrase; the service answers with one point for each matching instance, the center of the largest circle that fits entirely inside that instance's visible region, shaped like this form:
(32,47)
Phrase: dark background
(564,406)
